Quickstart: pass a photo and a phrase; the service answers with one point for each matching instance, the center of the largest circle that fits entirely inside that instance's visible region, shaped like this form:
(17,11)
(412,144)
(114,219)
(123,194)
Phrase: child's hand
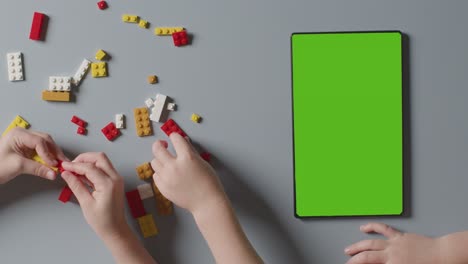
(103,207)
(401,248)
(19,146)
(187,180)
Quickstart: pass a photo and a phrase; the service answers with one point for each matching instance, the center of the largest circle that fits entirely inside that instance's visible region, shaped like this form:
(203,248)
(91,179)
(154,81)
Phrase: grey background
(237,76)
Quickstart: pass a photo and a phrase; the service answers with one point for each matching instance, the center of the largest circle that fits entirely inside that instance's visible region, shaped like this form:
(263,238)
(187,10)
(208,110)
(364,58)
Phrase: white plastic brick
(120,121)
(15,66)
(149,102)
(171,106)
(145,191)
(58,83)
(81,73)
(159,108)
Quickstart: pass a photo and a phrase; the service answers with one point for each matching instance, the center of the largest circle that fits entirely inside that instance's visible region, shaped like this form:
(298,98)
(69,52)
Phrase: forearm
(126,248)
(454,248)
(224,235)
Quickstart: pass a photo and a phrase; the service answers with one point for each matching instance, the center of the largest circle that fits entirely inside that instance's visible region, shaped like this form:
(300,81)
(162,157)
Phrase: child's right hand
(185,179)
(103,208)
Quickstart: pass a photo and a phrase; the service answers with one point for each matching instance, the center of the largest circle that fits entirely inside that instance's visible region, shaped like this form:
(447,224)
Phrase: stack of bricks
(146,221)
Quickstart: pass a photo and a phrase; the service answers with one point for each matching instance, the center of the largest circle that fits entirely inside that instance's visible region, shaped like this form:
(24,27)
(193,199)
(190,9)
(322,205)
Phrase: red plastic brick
(171,126)
(110,131)
(136,205)
(102,5)
(65,195)
(206,156)
(180,38)
(78,121)
(37,26)
(81,131)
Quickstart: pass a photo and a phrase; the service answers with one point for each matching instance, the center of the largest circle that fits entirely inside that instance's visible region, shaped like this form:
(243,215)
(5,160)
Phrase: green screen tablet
(348,123)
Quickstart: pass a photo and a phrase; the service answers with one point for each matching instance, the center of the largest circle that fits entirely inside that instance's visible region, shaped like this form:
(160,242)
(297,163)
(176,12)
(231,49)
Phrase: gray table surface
(236,74)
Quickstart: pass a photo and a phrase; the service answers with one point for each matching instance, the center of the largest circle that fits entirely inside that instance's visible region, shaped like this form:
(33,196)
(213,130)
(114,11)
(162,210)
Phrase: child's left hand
(401,248)
(19,146)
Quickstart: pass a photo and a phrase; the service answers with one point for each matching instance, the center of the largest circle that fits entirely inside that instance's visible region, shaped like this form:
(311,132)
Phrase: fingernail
(50,175)
(165,144)
(346,250)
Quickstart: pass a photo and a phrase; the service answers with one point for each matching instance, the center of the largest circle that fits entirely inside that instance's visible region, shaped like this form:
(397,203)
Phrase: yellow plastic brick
(147,226)
(144,171)
(100,55)
(143,23)
(163,205)
(99,69)
(195,118)
(167,31)
(17,122)
(130,18)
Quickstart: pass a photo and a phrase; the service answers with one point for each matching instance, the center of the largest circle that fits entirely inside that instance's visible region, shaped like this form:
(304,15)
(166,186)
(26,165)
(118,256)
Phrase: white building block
(58,83)
(15,66)
(171,106)
(120,121)
(159,108)
(149,102)
(81,72)
(145,191)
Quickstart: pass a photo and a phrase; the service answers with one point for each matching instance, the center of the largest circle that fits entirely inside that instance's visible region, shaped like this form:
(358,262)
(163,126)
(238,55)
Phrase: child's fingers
(368,257)
(366,245)
(160,151)
(181,145)
(380,228)
(37,143)
(52,145)
(100,160)
(35,168)
(77,187)
(90,171)
(157,165)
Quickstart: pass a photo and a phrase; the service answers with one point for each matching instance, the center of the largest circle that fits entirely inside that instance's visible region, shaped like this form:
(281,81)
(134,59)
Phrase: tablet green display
(348,123)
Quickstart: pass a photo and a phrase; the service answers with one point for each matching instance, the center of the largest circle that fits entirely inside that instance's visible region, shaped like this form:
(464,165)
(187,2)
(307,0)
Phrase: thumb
(35,168)
(77,186)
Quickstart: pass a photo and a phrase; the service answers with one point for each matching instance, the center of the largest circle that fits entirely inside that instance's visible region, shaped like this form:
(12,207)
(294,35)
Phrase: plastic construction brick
(206,156)
(99,69)
(144,171)
(15,66)
(167,31)
(136,205)
(120,121)
(37,26)
(81,131)
(101,55)
(163,205)
(170,127)
(130,18)
(81,72)
(180,38)
(159,108)
(142,122)
(143,23)
(196,118)
(78,121)
(152,79)
(149,102)
(102,5)
(145,191)
(56,96)
(65,194)
(110,131)
(147,226)
(17,122)
(171,107)
(60,84)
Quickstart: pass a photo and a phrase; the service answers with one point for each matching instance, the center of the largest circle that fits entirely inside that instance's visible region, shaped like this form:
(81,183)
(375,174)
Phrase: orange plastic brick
(56,96)
(163,205)
(142,122)
(144,171)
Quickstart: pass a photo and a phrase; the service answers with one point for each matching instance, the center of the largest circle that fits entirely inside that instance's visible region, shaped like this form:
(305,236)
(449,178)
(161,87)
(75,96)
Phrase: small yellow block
(56,96)
(37,158)
(130,18)
(99,69)
(195,118)
(167,31)
(17,122)
(152,79)
(147,226)
(144,171)
(143,23)
(100,55)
